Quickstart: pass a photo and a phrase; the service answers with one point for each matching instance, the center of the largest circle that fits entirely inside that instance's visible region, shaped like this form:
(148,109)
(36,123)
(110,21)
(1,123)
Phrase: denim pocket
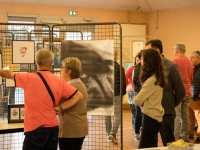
(40,137)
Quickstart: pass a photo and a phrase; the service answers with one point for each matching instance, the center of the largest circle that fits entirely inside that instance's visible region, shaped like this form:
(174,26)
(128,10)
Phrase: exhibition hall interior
(99,34)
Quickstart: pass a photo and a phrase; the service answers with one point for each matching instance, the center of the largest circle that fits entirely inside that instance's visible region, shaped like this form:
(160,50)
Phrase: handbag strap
(47,87)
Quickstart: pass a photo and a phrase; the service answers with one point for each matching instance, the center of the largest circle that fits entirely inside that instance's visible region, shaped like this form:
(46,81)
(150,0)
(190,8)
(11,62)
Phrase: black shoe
(197,140)
(191,137)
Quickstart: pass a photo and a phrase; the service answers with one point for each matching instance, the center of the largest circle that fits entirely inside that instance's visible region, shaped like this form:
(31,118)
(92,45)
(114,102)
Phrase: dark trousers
(138,120)
(70,143)
(167,129)
(150,129)
(41,139)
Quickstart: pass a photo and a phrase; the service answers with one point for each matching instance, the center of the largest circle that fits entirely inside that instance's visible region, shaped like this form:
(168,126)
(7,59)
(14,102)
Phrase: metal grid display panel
(10,95)
(11,141)
(50,38)
(96,139)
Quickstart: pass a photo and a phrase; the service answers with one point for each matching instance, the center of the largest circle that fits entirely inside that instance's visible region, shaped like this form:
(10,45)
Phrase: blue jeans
(182,123)
(41,139)
(112,128)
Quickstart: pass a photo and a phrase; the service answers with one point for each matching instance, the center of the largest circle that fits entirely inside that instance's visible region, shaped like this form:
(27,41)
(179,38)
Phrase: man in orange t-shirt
(40,119)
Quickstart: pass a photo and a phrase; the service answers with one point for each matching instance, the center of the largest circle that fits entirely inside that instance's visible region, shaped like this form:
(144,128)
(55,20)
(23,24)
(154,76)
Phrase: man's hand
(57,110)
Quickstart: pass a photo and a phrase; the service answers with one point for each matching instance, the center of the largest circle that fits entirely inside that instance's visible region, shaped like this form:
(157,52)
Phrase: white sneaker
(137,137)
(108,138)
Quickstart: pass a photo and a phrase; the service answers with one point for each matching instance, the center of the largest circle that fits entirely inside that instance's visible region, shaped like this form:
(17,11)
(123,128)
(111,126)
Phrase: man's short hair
(181,47)
(44,57)
(156,44)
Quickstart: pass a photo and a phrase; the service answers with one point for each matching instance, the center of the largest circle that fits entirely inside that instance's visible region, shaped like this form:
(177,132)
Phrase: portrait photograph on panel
(97,58)
(23,52)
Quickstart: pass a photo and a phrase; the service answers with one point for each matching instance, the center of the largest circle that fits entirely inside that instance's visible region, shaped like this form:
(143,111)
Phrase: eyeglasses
(62,67)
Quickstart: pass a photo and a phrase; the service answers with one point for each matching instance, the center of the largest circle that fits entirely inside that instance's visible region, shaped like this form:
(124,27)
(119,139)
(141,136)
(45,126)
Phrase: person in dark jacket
(195,101)
(137,88)
(173,93)
(112,127)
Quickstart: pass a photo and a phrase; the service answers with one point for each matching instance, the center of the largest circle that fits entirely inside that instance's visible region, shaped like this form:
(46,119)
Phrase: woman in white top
(149,98)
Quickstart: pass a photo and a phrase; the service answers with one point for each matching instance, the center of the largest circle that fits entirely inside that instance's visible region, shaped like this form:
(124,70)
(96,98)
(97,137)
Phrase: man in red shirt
(186,70)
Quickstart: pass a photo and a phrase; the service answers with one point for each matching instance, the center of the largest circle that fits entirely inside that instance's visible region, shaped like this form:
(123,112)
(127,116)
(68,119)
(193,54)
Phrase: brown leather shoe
(191,137)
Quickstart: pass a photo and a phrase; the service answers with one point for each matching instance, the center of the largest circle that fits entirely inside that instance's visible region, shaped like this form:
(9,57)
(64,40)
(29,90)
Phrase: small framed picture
(127,65)
(16,113)
(39,46)
(23,52)
(22,113)
(137,45)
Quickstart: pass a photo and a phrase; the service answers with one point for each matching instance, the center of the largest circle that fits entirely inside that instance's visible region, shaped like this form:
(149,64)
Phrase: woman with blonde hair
(73,123)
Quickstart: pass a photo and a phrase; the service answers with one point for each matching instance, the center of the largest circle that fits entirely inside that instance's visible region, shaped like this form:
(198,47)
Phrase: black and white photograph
(23,52)
(97,58)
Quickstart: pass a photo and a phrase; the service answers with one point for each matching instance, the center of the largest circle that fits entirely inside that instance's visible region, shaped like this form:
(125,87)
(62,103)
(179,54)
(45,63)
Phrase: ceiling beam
(144,5)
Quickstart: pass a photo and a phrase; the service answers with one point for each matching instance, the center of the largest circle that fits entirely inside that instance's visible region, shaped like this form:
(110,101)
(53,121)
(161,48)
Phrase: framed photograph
(22,113)
(16,113)
(39,46)
(127,65)
(57,53)
(23,52)
(137,46)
